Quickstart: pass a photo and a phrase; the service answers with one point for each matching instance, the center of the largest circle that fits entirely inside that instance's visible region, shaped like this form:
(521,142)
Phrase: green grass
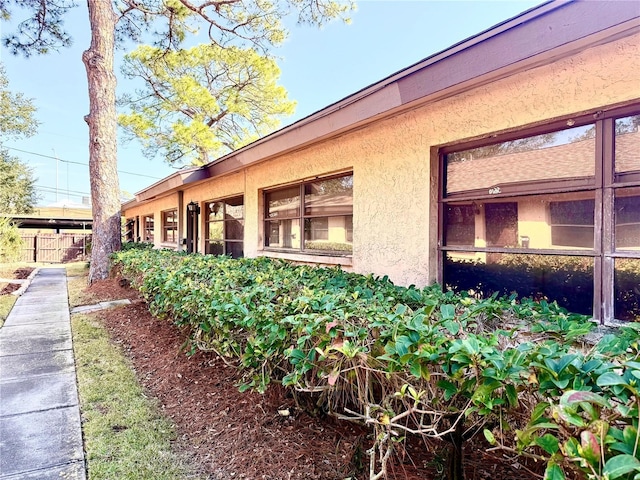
(7,301)
(77,274)
(125,435)
(77,269)
(6,304)
(76,287)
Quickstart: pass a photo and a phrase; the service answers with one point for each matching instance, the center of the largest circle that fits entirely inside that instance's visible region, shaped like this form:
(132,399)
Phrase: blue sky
(319,67)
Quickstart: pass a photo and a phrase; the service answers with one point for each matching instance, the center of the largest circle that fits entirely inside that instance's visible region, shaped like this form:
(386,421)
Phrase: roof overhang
(552,30)
(31,221)
(170,183)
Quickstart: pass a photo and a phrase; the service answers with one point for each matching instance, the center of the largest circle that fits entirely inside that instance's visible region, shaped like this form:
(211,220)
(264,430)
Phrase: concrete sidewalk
(40,430)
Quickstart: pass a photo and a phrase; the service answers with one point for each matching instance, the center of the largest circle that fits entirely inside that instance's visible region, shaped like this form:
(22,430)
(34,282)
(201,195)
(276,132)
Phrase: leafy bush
(136,246)
(10,241)
(409,360)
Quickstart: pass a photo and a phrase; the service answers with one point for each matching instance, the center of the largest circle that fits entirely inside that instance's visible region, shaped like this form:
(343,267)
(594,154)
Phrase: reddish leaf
(331,325)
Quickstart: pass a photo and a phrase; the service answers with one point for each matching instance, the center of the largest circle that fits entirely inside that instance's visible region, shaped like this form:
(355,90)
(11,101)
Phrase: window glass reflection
(216,211)
(224,230)
(565,279)
(534,221)
(627,144)
(329,197)
(627,218)
(563,154)
(321,222)
(329,234)
(234,249)
(627,289)
(213,247)
(283,203)
(283,233)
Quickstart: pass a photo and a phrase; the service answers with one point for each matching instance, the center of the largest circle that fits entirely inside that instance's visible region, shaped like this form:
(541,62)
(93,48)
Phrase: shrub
(136,246)
(10,241)
(409,360)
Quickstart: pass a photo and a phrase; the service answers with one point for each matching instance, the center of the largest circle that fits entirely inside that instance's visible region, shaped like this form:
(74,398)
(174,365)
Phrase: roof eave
(462,67)
(523,42)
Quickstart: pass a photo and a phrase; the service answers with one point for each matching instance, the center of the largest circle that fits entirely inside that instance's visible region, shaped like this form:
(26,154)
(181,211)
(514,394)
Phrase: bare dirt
(229,434)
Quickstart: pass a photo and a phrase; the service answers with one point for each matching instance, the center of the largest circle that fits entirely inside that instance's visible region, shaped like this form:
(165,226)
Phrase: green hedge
(410,360)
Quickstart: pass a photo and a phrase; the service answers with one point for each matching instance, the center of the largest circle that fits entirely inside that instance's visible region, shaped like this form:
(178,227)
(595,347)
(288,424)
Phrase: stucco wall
(392,182)
(393,218)
(216,189)
(155,208)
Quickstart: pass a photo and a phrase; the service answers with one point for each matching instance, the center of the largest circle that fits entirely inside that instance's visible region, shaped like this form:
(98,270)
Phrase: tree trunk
(103,161)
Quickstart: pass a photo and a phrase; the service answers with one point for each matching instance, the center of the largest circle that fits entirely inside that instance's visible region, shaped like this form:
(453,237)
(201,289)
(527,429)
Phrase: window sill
(169,245)
(308,258)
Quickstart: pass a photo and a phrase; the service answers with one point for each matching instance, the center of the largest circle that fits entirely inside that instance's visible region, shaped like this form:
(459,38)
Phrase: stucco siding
(393,217)
(215,189)
(599,77)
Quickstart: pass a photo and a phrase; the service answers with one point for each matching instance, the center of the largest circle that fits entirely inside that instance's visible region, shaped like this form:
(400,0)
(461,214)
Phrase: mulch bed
(18,274)
(230,434)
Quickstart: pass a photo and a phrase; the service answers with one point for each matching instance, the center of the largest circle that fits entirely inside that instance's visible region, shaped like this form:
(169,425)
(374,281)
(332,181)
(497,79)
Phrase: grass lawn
(125,435)
(76,285)
(7,269)
(77,295)
(7,301)
(6,304)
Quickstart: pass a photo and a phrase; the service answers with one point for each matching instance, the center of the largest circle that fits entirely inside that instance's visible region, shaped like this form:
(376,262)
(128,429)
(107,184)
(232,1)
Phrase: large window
(224,228)
(312,217)
(148,229)
(170,226)
(554,215)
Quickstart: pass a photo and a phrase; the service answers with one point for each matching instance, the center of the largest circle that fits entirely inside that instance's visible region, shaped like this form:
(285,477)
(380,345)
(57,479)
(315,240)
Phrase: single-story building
(509,162)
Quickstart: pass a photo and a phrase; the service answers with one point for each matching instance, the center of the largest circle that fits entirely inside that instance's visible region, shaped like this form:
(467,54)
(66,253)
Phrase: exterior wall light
(193,207)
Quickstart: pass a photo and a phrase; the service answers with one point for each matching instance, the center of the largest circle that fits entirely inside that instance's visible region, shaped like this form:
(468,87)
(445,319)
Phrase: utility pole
(56,157)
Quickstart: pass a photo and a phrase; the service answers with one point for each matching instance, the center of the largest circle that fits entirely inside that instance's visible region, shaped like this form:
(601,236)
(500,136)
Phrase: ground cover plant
(411,362)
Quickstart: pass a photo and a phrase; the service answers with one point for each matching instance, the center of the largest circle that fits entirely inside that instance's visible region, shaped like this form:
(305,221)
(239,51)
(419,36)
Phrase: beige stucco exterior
(394,160)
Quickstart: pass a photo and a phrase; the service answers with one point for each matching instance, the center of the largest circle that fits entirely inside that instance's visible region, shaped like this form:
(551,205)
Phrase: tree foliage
(17,119)
(17,189)
(170,22)
(203,101)
(255,23)
(10,241)
(17,113)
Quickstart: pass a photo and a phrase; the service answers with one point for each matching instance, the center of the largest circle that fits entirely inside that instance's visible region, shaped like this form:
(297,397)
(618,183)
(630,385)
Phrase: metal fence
(55,247)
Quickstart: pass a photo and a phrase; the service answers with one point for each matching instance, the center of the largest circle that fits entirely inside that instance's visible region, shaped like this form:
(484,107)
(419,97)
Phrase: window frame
(129,229)
(148,231)
(166,227)
(556,225)
(605,182)
(224,222)
(302,218)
